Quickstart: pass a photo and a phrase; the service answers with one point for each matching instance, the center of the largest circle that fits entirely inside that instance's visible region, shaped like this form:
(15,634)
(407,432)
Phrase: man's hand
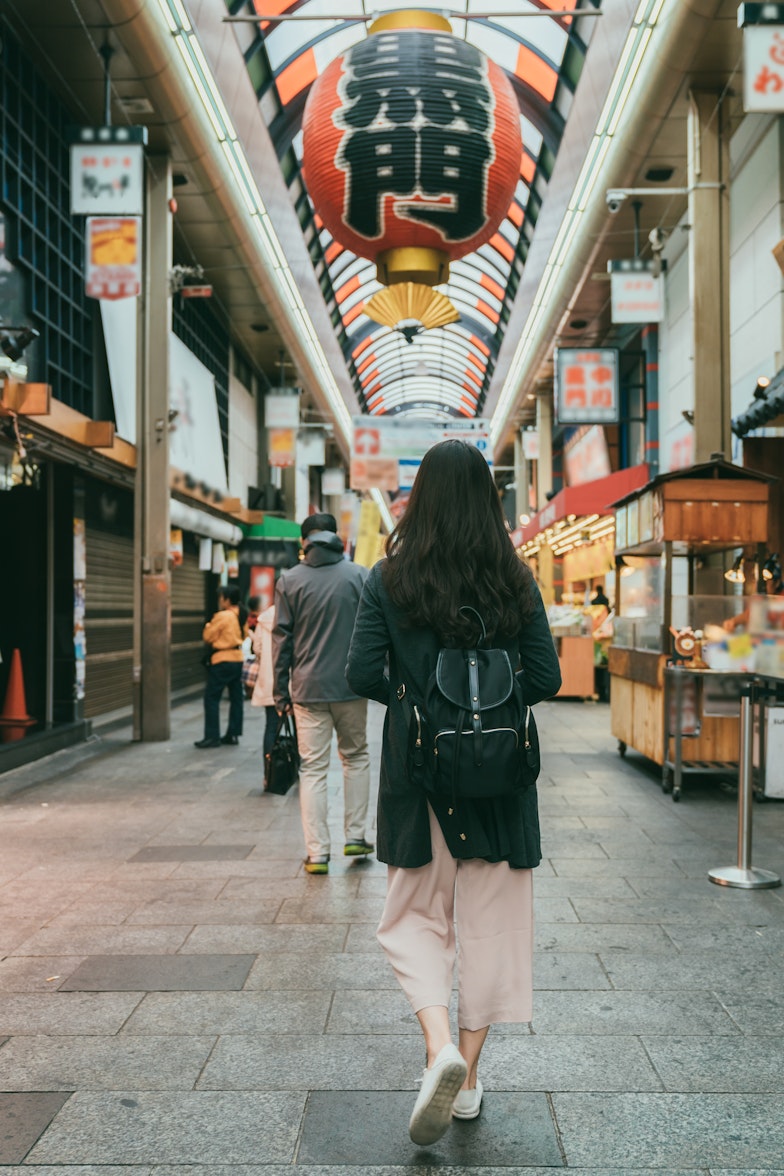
(284,708)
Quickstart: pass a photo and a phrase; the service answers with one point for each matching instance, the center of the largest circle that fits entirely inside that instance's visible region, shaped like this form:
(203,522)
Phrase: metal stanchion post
(744,875)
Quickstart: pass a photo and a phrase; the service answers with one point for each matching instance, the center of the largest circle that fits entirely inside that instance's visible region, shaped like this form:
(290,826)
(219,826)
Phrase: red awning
(590,498)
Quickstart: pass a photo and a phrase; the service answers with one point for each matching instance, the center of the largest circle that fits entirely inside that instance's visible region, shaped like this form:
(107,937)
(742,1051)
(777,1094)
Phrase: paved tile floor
(178,999)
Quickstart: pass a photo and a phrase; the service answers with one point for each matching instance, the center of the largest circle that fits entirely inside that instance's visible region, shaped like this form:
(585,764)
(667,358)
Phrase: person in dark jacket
(315,609)
(468,867)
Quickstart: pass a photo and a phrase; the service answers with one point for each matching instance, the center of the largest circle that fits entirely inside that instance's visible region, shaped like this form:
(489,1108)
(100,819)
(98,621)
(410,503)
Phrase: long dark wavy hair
(451,548)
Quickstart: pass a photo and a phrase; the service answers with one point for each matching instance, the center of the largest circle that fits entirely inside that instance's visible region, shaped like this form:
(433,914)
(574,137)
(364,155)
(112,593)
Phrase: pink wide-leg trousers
(478,912)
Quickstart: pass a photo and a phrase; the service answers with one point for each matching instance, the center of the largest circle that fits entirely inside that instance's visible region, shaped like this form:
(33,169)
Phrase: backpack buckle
(401,691)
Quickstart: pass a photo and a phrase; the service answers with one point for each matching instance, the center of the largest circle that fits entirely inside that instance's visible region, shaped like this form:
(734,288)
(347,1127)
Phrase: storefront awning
(592,498)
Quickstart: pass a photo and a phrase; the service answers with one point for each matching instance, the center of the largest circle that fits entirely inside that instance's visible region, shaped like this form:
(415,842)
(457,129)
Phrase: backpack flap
(494,675)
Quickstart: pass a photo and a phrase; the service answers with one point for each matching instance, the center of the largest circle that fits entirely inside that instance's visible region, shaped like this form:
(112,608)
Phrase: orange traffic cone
(14,718)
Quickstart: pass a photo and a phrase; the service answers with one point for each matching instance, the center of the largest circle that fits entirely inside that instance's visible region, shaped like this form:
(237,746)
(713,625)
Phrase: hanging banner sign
(281,411)
(637,293)
(381,443)
(586,386)
(763,57)
(531,444)
(282,447)
(107,171)
(114,257)
(333,481)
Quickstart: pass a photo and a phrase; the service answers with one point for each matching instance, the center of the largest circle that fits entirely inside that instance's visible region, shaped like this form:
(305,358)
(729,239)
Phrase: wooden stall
(680,519)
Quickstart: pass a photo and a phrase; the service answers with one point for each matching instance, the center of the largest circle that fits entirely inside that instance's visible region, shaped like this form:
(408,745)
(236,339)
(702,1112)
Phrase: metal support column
(152,618)
(744,875)
(708,171)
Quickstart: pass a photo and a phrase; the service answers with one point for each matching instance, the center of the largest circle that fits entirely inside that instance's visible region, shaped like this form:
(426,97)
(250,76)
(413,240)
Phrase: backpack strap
(473,690)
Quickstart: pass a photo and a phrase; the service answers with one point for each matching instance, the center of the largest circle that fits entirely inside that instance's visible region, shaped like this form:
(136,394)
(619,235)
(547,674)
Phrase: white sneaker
(468,1103)
(441,1082)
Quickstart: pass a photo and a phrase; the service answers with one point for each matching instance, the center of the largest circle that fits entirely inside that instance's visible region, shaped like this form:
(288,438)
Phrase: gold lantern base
(412,263)
(408,300)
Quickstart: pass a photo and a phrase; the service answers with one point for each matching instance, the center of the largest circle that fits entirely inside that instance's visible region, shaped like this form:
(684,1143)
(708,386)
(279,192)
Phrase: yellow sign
(366,550)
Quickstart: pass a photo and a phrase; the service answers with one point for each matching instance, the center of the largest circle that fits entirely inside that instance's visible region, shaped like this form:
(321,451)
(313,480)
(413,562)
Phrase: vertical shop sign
(107,171)
(531,444)
(366,551)
(586,386)
(281,447)
(175,546)
(262,584)
(636,290)
(114,257)
(763,57)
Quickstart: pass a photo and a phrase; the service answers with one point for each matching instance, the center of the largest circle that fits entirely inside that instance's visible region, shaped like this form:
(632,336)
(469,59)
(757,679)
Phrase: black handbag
(281,763)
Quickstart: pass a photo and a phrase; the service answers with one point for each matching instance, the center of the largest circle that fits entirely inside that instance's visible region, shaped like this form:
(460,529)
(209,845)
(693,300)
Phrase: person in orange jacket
(224,634)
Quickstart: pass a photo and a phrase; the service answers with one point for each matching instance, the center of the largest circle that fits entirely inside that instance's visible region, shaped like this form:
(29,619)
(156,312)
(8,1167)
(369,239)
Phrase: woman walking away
(460,866)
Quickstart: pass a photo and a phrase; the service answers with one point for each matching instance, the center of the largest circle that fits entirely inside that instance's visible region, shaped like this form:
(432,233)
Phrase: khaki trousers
(315,724)
(481,912)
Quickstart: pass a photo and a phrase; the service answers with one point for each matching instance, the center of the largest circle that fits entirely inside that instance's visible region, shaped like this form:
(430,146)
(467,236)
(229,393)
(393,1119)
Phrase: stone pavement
(179,999)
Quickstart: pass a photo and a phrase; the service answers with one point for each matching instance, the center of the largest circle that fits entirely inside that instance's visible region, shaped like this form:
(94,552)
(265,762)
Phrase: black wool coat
(500,829)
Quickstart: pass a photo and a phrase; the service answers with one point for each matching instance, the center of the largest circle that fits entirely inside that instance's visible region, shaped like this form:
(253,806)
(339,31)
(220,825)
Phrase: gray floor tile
(371,1012)
(580,1013)
(262,939)
(66,1013)
(222,913)
(365,1128)
(713,936)
(173,1013)
(671,1130)
(35,973)
(299,1170)
(601,887)
(568,970)
(330,970)
(82,1170)
(558,1063)
(23,1117)
(154,973)
(314,1062)
(755,1013)
(708,970)
(666,910)
(751,1064)
(102,1063)
(104,940)
(618,866)
(599,937)
(201,1127)
(331,908)
(192,853)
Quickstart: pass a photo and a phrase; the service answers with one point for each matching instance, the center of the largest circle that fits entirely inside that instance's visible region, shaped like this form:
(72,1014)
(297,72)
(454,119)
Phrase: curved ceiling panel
(444,371)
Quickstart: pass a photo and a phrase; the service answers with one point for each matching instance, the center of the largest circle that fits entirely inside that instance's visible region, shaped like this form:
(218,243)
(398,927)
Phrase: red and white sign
(586,386)
(763,68)
(367,442)
(262,583)
(114,256)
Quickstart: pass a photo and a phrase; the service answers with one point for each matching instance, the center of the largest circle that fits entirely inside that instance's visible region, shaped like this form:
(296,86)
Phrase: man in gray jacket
(315,607)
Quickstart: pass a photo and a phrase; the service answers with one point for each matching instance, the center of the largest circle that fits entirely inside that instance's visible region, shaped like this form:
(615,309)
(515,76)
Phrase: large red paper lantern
(412,147)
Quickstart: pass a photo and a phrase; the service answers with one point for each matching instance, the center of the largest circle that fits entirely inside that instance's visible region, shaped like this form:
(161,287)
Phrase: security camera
(615,198)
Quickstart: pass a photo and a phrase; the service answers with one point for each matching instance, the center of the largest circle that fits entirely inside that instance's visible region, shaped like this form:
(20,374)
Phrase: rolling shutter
(108,621)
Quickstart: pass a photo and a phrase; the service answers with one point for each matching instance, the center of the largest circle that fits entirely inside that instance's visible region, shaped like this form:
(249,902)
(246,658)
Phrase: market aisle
(177,994)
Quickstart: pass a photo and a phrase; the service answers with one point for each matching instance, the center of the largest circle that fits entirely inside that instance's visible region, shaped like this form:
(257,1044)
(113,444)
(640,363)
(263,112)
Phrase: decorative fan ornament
(399,304)
(412,151)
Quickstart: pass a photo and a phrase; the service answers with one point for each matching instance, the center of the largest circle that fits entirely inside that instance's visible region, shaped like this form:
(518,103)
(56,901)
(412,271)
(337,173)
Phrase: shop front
(569,546)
